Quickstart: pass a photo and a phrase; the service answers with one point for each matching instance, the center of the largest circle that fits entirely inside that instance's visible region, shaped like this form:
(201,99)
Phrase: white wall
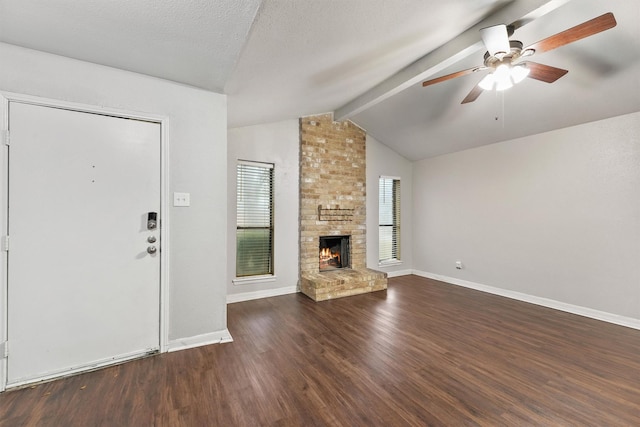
(555,215)
(197,151)
(382,161)
(277,143)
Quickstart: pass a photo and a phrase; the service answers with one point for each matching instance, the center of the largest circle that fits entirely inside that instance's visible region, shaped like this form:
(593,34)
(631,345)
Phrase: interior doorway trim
(5,99)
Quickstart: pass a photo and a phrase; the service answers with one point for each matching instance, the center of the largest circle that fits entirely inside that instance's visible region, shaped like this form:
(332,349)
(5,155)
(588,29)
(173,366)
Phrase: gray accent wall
(554,215)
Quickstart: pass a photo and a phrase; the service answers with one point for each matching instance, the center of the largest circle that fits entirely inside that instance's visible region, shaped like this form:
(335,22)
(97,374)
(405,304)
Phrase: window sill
(389,263)
(254,279)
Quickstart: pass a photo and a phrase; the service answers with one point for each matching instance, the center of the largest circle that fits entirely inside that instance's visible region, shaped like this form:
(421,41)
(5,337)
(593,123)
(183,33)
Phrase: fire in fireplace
(334,252)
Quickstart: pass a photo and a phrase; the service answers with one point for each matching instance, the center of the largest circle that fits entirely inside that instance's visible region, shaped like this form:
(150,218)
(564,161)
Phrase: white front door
(83,290)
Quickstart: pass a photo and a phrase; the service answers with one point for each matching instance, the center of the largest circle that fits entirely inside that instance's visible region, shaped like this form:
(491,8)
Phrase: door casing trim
(5,99)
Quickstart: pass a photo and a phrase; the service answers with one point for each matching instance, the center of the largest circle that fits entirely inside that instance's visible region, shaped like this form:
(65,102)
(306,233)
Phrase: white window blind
(254,234)
(389,219)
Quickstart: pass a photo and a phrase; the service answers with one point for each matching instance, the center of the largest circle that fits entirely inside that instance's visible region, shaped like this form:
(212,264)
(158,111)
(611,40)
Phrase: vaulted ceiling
(361,59)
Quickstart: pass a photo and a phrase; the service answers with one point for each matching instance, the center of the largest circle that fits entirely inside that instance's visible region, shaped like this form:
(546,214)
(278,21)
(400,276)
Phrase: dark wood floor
(421,353)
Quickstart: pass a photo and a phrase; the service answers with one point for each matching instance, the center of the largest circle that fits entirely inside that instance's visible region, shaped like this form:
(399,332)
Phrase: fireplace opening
(334,252)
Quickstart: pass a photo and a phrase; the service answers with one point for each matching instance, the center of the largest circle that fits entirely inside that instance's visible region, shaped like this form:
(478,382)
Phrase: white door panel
(82,288)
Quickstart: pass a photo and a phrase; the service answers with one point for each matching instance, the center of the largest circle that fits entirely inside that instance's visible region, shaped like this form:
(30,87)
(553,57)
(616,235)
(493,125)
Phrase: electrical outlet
(459,265)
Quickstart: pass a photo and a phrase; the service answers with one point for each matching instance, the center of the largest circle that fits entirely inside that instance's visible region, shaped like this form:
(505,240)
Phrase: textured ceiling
(306,57)
(363,59)
(195,42)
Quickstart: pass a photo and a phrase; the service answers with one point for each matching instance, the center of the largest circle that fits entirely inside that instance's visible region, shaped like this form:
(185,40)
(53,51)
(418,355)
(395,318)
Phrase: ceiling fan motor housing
(493,61)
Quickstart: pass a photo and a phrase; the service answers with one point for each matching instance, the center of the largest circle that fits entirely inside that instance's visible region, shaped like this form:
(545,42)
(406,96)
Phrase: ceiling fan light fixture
(504,85)
(502,77)
(519,73)
(487,82)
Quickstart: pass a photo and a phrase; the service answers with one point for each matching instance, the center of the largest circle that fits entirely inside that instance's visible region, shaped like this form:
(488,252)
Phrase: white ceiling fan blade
(496,39)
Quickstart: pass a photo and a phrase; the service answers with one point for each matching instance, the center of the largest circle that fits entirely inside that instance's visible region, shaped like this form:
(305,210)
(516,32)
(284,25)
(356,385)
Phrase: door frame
(5,99)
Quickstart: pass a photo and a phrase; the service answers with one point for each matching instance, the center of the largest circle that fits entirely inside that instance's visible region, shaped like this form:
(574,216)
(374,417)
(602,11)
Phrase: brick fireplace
(333,209)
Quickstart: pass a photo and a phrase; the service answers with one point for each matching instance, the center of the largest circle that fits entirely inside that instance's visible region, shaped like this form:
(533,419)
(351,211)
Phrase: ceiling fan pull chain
(503,110)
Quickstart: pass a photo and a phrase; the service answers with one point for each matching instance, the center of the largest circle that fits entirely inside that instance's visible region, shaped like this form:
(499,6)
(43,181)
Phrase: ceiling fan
(506,58)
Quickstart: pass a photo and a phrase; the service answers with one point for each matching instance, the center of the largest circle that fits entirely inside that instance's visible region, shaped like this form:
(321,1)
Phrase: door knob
(151,239)
(152,249)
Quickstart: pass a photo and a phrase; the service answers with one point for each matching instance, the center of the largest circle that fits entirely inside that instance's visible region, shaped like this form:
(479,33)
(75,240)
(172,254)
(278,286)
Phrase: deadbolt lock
(152,220)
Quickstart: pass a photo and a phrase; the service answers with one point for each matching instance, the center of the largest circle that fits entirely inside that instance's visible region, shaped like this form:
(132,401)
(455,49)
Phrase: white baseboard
(629,322)
(247,296)
(3,375)
(90,367)
(218,337)
(397,273)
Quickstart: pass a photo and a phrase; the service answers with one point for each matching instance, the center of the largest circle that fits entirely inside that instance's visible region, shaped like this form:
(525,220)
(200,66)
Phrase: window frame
(396,211)
(270,271)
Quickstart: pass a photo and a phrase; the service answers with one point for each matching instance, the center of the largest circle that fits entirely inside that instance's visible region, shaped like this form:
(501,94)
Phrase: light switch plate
(181,199)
